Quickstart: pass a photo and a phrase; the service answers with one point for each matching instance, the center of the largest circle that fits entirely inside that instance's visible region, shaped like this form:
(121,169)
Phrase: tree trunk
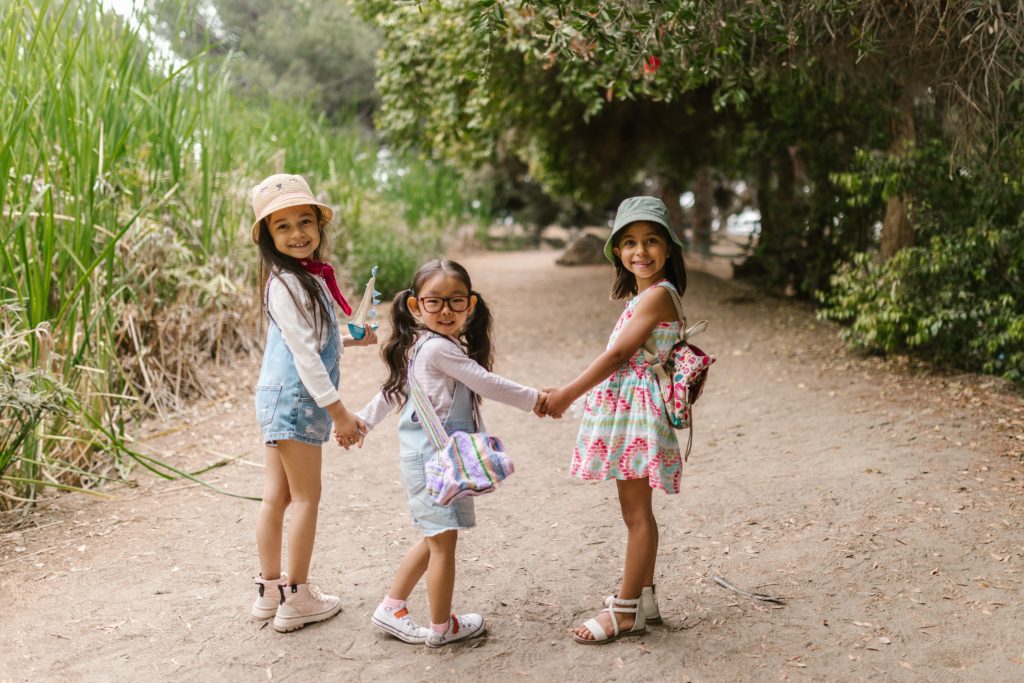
(703,203)
(897,230)
(668,192)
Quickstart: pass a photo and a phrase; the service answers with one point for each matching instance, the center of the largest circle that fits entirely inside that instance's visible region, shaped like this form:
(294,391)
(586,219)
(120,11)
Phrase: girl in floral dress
(626,435)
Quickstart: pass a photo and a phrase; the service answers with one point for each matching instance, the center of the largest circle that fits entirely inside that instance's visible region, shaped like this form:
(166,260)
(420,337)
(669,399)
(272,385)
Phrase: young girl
(297,396)
(441,329)
(625,434)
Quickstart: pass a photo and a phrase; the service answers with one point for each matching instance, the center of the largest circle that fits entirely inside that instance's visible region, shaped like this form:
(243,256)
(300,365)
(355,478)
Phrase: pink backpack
(683,375)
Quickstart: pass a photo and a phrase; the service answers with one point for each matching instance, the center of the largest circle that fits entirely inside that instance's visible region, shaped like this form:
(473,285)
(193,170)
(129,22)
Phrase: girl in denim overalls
(297,394)
(441,329)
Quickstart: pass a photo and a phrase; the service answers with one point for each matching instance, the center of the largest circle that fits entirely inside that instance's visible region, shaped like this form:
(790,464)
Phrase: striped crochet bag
(466,464)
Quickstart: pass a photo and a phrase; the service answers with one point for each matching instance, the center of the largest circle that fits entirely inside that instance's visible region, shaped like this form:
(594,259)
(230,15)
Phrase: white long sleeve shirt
(300,335)
(439,364)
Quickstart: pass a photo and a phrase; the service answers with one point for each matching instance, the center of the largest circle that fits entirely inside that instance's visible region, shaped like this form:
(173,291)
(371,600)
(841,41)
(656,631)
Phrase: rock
(555,236)
(587,250)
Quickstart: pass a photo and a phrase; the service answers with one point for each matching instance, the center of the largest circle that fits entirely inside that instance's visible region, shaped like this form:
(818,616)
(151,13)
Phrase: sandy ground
(882,502)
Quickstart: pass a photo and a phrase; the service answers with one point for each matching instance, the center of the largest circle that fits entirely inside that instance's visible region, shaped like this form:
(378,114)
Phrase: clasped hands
(552,402)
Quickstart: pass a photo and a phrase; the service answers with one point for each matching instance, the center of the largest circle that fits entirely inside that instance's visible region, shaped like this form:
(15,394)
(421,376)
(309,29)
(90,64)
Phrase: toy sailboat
(365,316)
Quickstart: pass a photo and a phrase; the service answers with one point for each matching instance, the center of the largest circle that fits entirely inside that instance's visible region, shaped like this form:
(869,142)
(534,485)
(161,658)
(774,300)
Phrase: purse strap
(429,418)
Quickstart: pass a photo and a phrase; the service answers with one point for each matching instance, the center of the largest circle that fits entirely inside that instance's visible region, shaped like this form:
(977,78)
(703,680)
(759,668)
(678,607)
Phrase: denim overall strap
(334,335)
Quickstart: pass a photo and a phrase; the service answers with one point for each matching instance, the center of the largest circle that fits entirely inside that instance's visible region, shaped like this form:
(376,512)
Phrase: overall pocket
(267,396)
(413,475)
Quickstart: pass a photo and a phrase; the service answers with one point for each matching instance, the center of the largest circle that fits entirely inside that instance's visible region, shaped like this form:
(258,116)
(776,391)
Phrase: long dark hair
(624,284)
(274,262)
(475,336)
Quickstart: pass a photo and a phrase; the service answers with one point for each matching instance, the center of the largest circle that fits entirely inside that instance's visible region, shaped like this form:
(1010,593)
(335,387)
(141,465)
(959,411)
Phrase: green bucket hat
(633,209)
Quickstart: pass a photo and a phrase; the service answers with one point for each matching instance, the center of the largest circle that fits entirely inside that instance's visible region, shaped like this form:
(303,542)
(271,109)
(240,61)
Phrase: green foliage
(299,50)
(957,296)
(809,103)
(124,218)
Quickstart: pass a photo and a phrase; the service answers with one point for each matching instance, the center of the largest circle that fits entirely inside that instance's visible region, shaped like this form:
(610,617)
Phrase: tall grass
(125,266)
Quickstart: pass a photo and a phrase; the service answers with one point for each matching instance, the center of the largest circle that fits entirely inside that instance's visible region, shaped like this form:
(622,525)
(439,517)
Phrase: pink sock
(393,604)
(439,629)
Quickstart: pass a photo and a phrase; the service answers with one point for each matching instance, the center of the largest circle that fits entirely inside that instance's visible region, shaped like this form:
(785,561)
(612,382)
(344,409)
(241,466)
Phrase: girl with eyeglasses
(443,327)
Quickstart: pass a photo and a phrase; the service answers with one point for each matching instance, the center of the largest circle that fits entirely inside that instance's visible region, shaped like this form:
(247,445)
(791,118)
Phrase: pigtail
(477,334)
(395,352)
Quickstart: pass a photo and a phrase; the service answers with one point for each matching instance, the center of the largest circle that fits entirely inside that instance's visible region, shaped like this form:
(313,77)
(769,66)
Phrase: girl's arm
(654,308)
(449,358)
(376,410)
(300,338)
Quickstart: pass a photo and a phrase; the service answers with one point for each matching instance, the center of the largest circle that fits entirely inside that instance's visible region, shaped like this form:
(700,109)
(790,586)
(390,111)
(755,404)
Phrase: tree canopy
(842,115)
(287,50)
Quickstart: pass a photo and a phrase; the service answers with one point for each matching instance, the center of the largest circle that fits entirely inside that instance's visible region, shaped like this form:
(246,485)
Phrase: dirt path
(883,504)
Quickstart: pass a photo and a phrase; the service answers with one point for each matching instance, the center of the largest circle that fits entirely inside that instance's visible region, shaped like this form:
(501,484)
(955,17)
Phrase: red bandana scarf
(326,271)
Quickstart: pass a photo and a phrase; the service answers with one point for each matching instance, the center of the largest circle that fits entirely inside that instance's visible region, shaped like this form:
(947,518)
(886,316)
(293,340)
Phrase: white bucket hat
(279,192)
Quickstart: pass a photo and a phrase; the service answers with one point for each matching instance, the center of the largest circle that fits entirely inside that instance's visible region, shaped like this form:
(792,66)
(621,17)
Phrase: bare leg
(641,550)
(441,575)
(270,518)
(410,570)
(301,463)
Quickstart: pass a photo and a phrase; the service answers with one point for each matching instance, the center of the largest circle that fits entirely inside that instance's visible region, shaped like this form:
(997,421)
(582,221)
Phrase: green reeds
(125,265)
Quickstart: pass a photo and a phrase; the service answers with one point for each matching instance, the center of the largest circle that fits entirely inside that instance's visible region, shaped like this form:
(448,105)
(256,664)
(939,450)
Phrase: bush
(959,297)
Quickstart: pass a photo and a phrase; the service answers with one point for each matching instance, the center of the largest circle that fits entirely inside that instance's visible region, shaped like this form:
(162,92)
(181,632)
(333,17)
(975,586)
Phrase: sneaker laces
(315,591)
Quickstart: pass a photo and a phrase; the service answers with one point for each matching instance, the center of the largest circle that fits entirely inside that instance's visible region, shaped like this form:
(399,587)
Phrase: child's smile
(644,252)
(295,231)
(443,305)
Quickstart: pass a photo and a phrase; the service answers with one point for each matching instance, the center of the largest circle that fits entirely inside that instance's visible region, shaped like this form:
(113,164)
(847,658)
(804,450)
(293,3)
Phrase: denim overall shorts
(416,450)
(284,408)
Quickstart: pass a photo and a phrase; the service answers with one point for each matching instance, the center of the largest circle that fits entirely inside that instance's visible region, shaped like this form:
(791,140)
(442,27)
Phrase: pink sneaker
(304,604)
(269,598)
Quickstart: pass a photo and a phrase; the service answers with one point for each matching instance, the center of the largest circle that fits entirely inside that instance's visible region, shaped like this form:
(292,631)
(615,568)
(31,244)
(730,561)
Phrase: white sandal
(648,604)
(615,606)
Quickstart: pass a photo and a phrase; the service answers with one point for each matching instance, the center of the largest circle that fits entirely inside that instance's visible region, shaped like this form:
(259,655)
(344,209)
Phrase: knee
(277,500)
(640,520)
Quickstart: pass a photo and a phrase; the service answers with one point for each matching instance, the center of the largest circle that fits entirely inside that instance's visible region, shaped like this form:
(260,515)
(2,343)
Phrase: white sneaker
(304,604)
(269,598)
(399,624)
(459,628)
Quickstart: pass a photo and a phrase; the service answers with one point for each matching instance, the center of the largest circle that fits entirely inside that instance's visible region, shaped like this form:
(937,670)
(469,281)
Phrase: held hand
(369,339)
(348,429)
(558,401)
(538,407)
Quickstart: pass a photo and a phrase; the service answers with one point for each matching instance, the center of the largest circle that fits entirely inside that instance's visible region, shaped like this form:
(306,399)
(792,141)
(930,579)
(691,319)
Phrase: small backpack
(683,375)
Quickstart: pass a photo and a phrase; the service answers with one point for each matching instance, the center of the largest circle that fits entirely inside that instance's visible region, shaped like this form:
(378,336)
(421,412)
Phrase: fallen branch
(756,596)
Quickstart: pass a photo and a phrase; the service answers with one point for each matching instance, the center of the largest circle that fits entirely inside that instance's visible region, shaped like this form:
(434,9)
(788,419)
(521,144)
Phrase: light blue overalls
(283,405)
(416,450)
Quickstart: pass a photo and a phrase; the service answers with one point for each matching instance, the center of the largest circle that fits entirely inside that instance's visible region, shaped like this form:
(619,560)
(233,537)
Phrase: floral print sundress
(625,433)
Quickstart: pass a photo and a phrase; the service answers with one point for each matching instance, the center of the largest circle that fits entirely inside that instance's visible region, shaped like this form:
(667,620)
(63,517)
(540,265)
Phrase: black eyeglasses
(434,304)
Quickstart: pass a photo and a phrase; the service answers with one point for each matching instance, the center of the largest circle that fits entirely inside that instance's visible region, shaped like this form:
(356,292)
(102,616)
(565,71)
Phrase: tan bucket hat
(279,192)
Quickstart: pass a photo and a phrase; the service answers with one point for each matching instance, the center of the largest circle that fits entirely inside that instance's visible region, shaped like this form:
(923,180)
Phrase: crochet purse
(683,375)
(465,464)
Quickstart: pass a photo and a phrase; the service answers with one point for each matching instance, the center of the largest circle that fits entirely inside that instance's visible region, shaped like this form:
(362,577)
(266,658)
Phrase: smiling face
(643,250)
(435,301)
(295,231)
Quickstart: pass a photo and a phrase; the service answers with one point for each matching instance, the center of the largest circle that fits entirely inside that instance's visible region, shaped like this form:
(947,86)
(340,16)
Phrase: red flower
(652,65)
